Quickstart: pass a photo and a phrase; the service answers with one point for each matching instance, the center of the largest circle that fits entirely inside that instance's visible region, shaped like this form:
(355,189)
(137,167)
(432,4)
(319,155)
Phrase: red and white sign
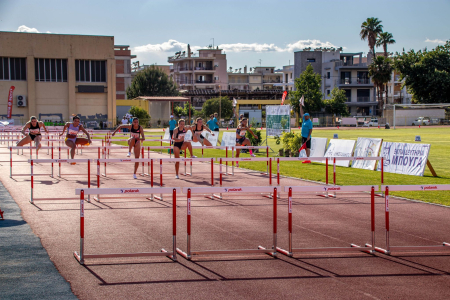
(284,97)
(10,102)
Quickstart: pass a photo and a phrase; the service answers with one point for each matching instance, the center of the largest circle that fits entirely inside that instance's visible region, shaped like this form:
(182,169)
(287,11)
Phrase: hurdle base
(380,250)
(78,258)
(184,254)
(371,251)
(285,252)
(327,195)
(273,254)
(214,196)
(172,255)
(413,248)
(268,196)
(117,255)
(160,198)
(330,249)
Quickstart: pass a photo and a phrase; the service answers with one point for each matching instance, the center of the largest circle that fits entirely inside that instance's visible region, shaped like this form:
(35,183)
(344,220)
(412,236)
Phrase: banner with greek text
(278,119)
(318,146)
(366,147)
(10,102)
(340,148)
(404,158)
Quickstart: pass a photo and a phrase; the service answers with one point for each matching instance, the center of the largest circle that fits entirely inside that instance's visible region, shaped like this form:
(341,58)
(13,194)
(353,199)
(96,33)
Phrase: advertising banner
(166,135)
(404,158)
(10,102)
(318,147)
(340,148)
(366,147)
(211,138)
(228,139)
(278,119)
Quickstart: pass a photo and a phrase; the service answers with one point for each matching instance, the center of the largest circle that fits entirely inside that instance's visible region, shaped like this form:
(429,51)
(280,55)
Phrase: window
(90,70)
(328,92)
(328,75)
(50,70)
(310,60)
(13,68)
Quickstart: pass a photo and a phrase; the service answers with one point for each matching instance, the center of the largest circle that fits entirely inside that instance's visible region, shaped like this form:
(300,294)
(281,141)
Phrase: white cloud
(436,41)
(174,46)
(24,28)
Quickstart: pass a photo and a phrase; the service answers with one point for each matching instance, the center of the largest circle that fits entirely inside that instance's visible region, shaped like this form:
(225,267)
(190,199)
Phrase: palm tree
(384,39)
(380,70)
(370,29)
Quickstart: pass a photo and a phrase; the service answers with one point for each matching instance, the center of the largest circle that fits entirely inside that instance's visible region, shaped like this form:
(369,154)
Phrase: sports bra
(241,132)
(134,133)
(72,130)
(180,134)
(35,130)
(195,129)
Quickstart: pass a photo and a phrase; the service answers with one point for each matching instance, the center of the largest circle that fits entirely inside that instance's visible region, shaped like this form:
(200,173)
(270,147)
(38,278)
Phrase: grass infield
(438,137)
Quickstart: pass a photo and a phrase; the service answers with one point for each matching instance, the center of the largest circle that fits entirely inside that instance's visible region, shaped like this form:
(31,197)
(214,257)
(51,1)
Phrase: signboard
(166,135)
(335,136)
(10,102)
(340,148)
(366,147)
(278,119)
(404,158)
(315,121)
(211,138)
(228,139)
(418,139)
(318,147)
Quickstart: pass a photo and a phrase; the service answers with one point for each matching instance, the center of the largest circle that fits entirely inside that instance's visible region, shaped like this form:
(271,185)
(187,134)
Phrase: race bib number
(243,132)
(135,135)
(34,131)
(181,136)
(73,132)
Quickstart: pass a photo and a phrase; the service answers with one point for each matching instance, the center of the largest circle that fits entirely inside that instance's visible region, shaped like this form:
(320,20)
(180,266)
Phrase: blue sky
(247,30)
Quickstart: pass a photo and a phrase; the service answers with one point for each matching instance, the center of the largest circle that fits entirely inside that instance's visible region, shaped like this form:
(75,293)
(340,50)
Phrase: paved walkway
(26,271)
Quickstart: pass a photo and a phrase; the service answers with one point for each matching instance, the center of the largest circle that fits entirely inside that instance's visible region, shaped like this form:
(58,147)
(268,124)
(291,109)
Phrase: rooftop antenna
(260,62)
(213,42)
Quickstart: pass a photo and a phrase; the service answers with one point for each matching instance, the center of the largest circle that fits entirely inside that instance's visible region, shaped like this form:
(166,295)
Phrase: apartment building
(258,78)
(347,71)
(57,75)
(205,70)
(123,57)
(287,81)
(397,94)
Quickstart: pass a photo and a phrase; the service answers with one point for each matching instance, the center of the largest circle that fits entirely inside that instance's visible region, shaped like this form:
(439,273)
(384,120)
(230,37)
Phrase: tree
(426,73)
(141,114)
(151,82)
(370,29)
(211,106)
(336,105)
(380,70)
(307,85)
(384,39)
(182,111)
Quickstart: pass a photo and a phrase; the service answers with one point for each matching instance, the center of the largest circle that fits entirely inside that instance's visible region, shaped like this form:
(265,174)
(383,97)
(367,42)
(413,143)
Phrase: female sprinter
(34,133)
(241,140)
(197,130)
(71,138)
(136,136)
(180,144)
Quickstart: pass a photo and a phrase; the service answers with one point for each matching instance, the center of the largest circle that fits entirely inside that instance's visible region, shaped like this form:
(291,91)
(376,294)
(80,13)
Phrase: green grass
(438,137)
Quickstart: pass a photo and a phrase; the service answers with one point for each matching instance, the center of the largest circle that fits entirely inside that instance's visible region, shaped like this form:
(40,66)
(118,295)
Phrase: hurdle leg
(274,246)
(160,197)
(289,251)
(386,201)
(173,256)
(187,254)
(80,256)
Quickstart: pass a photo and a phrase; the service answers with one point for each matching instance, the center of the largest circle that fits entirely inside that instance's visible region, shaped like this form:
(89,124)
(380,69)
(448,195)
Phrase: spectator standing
(124,122)
(211,123)
(307,128)
(172,125)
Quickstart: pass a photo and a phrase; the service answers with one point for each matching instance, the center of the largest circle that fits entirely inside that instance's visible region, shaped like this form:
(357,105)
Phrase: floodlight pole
(220,105)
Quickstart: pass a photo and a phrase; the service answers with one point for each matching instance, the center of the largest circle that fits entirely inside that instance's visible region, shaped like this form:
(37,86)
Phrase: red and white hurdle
(316,189)
(397,188)
(81,256)
(216,190)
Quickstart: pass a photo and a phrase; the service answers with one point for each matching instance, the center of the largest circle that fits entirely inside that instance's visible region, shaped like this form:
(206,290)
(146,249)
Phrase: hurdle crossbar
(311,189)
(208,190)
(81,256)
(394,188)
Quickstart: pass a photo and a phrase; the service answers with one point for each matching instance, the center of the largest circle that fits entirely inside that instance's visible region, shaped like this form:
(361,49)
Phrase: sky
(247,30)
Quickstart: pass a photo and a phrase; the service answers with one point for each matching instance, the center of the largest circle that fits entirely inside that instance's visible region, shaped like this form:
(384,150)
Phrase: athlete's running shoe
(177,177)
(73,163)
(129,154)
(134,176)
(252,155)
(193,156)
(237,164)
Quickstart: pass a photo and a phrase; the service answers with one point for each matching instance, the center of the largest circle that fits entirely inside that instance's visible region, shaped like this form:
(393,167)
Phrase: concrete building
(397,94)
(137,67)
(259,78)
(205,70)
(123,59)
(287,82)
(347,71)
(58,75)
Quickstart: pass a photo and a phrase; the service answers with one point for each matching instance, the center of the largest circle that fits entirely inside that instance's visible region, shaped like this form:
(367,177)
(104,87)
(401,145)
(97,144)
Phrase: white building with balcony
(287,79)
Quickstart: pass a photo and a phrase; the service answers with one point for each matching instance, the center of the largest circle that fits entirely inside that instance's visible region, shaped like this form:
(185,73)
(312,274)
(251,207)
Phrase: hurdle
(109,160)
(311,189)
(249,147)
(31,157)
(81,256)
(211,190)
(52,161)
(394,188)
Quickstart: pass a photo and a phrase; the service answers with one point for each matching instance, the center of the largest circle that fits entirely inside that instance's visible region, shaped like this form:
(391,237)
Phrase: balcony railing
(362,80)
(204,68)
(204,81)
(349,99)
(344,81)
(238,81)
(271,81)
(186,69)
(349,64)
(362,99)
(353,81)
(184,82)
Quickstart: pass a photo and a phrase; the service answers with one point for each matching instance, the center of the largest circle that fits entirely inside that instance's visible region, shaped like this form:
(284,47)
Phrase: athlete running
(34,134)
(71,138)
(241,140)
(197,130)
(136,136)
(180,144)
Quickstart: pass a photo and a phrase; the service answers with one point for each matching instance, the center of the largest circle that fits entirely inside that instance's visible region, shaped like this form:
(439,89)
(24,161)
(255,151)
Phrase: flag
(302,100)
(284,97)
(303,147)
(234,102)
(10,102)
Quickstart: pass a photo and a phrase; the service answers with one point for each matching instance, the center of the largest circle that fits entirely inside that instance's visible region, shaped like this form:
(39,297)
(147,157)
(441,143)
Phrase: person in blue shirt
(307,128)
(216,122)
(172,126)
(211,124)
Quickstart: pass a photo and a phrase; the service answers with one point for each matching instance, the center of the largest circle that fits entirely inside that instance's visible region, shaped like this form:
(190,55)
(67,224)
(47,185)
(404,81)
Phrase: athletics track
(235,222)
